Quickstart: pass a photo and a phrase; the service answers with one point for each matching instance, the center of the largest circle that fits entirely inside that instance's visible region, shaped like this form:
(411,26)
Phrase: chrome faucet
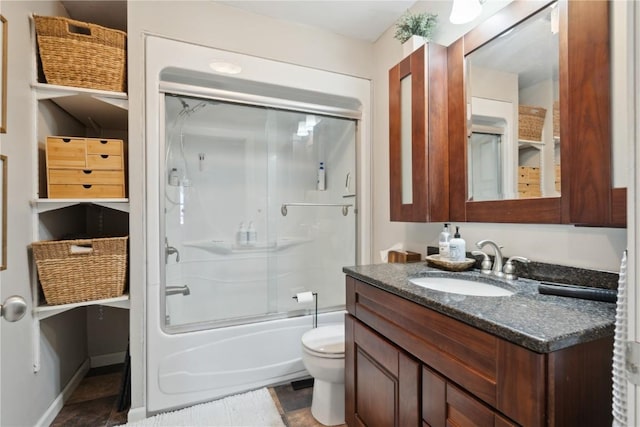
(175,290)
(170,250)
(497,262)
(486,262)
(510,270)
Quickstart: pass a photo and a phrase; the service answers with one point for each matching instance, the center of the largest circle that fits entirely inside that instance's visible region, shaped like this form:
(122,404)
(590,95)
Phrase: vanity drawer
(104,161)
(85,176)
(104,146)
(66,152)
(85,191)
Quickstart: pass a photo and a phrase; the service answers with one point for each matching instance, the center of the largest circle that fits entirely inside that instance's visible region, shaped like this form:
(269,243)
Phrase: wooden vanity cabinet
(409,365)
(418,139)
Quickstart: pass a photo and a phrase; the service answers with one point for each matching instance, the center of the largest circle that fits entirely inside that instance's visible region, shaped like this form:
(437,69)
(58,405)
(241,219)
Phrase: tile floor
(94,402)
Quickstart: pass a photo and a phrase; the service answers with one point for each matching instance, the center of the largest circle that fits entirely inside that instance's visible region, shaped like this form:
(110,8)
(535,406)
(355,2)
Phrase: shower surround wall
(239,157)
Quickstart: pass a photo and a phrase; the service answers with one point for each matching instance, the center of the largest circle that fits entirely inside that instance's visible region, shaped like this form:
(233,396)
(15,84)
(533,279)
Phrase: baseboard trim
(56,406)
(108,359)
(137,414)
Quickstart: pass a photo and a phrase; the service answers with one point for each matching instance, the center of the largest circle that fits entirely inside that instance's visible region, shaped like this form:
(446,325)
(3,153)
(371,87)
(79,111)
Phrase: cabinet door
(382,382)
(418,142)
(444,404)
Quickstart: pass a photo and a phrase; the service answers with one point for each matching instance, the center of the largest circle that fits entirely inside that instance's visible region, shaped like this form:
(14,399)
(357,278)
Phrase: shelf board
(45,311)
(98,109)
(46,205)
(524,143)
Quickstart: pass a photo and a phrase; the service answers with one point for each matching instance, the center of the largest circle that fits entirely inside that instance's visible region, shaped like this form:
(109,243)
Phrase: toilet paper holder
(302,297)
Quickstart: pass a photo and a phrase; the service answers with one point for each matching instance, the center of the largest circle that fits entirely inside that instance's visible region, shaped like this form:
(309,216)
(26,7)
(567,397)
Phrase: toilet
(323,356)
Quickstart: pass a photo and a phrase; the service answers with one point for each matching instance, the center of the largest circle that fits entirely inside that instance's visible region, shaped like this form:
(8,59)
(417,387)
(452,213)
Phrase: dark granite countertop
(542,323)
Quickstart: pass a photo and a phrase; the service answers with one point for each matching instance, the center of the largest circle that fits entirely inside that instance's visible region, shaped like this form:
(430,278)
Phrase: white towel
(619,404)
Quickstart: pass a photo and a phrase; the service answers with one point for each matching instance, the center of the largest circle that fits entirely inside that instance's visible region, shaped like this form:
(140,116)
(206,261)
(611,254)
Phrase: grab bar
(345,208)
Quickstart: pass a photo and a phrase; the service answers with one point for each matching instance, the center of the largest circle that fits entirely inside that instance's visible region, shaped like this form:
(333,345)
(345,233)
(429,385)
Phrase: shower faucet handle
(170,250)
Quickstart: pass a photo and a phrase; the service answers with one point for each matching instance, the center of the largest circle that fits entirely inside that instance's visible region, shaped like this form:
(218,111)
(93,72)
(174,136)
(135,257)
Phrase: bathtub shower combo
(244,221)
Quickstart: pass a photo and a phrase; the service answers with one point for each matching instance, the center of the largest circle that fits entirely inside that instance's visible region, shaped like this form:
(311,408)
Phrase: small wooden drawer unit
(80,168)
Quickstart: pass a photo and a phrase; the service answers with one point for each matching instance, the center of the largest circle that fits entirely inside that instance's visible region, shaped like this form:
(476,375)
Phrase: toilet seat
(325,341)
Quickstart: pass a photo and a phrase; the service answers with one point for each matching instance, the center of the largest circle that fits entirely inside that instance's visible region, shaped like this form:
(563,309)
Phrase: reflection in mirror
(513,112)
(406,140)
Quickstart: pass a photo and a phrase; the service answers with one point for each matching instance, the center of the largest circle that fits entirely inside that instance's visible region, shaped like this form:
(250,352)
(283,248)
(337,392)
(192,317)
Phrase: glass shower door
(231,256)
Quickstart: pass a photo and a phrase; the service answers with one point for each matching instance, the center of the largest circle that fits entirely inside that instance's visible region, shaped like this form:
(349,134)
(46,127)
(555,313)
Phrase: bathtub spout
(175,290)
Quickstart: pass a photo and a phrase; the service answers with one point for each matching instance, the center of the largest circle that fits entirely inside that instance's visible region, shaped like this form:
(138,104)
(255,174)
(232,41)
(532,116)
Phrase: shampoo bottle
(241,235)
(321,177)
(443,242)
(252,235)
(173,178)
(457,247)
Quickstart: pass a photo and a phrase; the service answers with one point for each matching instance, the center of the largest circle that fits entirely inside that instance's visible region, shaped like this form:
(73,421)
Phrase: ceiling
(360,19)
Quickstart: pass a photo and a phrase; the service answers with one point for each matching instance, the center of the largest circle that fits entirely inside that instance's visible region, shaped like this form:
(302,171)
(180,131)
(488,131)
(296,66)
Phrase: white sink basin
(461,286)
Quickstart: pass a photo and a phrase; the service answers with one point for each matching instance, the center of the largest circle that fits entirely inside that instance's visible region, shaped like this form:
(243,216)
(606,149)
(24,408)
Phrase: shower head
(187,109)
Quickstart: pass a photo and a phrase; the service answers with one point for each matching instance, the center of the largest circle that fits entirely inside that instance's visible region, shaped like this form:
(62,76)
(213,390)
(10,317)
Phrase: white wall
(26,395)
(595,248)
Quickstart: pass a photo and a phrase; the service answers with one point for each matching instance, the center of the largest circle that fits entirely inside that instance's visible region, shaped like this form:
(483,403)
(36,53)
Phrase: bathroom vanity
(421,357)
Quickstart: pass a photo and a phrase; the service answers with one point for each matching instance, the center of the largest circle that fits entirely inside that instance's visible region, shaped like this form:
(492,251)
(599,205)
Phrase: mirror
(513,126)
(406,136)
(584,124)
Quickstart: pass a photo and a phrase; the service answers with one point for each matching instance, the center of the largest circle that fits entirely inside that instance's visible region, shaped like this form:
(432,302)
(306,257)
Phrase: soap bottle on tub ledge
(457,247)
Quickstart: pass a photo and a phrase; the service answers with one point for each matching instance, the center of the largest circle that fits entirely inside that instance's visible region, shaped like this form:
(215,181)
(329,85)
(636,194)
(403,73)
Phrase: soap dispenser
(443,242)
(457,247)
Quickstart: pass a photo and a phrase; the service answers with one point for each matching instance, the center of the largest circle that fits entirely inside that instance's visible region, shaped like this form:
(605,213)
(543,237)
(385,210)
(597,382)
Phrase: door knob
(13,308)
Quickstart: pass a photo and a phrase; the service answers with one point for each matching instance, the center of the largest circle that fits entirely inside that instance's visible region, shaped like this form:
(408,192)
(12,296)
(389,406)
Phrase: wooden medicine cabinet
(418,142)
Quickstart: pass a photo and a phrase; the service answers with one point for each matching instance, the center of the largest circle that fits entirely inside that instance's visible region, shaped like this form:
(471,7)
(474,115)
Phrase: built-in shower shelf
(44,311)
(225,247)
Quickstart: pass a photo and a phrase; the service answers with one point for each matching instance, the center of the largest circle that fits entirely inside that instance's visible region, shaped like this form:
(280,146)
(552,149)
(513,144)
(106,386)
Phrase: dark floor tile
(96,387)
(94,413)
(117,418)
(291,399)
(303,418)
(109,369)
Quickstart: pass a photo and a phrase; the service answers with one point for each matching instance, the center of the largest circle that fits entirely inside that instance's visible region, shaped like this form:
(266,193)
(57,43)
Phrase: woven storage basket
(556,119)
(81,270)
(79,54)
(530,122)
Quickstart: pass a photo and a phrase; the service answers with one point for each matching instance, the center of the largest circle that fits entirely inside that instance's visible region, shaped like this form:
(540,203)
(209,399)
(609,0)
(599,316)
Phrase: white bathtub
(188,368)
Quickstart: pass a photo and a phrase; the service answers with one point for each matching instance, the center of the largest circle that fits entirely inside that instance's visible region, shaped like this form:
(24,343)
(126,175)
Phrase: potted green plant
(415,29)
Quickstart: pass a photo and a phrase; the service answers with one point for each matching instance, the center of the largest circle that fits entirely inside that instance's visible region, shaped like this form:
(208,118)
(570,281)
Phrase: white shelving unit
(96,110)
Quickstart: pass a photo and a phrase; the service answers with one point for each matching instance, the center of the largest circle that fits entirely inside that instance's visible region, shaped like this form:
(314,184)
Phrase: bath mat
(253,409)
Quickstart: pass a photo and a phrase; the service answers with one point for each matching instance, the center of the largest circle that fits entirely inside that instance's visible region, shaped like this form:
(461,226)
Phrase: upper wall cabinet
(418,151)
(529,117)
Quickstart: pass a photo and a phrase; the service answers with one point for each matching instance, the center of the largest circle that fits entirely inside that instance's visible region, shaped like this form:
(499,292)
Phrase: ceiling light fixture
(464,11)
(224,67)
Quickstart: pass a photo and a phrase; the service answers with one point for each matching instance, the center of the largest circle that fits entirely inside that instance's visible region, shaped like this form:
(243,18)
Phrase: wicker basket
(78,54)
(81,270)
(556,119)
(530,122)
